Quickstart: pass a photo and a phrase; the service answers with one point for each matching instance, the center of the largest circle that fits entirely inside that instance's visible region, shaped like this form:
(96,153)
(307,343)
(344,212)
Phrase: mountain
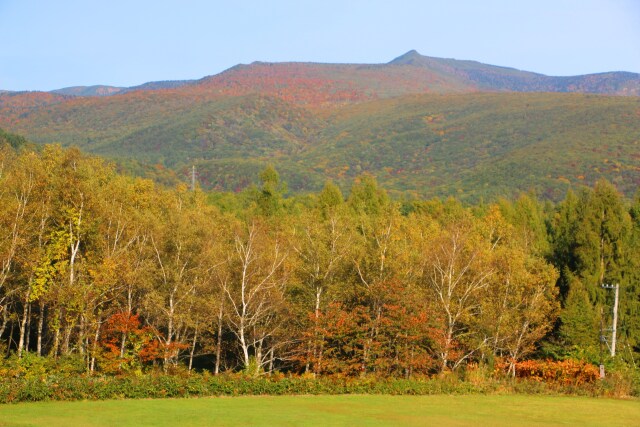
(424,126)
(101,90)
(97,90)
(165,84)
(493,78)
(330,84)
(407,74)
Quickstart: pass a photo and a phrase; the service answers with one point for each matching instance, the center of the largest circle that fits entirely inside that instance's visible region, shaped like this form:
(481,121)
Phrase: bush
(159,385)
(31,366)
(563,372)
(620,381)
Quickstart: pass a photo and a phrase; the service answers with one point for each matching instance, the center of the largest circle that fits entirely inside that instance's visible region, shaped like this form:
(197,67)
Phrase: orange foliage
(127,344)
(565,372)
(378,334)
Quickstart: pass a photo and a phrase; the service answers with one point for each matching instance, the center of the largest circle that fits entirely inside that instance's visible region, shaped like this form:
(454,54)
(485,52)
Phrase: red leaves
(564,372)
(379,333)
(297,83)
(127,344)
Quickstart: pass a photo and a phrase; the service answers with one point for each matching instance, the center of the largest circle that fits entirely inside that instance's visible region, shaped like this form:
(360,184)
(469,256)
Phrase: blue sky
(47,44)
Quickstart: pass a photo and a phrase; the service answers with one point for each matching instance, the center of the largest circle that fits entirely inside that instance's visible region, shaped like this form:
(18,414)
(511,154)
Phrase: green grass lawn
(351,410)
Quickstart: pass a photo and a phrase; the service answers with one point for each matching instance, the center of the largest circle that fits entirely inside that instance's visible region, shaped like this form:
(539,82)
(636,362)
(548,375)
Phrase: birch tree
(456,274)
(322,247)
(255,292)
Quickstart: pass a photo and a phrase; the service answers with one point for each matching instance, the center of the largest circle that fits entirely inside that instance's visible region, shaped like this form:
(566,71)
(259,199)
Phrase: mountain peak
(410,57)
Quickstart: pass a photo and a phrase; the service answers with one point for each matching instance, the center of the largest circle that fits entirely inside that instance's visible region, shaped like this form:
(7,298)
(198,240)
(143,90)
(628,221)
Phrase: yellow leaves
(494,224)
(40,284)
(107,272)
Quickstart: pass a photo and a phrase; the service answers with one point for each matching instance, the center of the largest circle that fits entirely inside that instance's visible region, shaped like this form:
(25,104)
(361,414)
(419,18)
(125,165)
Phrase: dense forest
(127,275)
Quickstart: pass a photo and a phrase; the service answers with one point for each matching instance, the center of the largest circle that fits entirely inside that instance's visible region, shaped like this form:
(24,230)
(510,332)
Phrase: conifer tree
(579,328)
(367,197)
(271,192)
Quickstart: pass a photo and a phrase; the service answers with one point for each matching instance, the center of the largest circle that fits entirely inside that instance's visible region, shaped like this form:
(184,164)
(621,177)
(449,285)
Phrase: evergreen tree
(563,235)
(629,313)
(271,192)
(367,197)
(579,326)
(601,238)
(329,198)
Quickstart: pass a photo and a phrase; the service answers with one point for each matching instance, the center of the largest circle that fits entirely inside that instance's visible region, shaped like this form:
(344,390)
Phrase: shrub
(29,366)
(159,385)
(620,381)
(563,372)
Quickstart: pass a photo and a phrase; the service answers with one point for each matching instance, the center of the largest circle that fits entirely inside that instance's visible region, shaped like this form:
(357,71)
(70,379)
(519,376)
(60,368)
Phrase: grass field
(352,410)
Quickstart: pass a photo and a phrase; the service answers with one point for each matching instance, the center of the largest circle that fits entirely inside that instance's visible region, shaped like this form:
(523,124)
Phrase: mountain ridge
(500,78)
(464,75)
(105,90)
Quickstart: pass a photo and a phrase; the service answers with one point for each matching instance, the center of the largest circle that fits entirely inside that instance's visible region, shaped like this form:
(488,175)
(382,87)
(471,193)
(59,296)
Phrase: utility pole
(193,178)
(602,340)
(614,329)
(614,326)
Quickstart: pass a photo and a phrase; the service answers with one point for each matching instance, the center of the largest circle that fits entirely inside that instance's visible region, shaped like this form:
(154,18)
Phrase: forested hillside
(423,126)
(120,275)
(468,145)
(485,145)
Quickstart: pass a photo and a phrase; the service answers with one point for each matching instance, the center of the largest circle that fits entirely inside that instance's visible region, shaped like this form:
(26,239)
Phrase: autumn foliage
(126,344)
(128,277)
(562,372)
(383,336)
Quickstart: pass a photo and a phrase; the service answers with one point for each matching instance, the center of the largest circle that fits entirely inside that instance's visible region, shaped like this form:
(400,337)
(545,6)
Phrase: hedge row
(196,385)
(160,386)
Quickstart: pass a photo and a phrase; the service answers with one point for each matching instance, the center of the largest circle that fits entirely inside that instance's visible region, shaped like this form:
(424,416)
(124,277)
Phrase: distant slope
(484,145)
(173,129)
(472,145)
(98,90)
(328,85)
(494,78)
(15,107)
(165,84)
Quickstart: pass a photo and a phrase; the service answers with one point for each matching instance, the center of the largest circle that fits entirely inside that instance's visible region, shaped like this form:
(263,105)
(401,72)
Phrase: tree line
(124,275)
